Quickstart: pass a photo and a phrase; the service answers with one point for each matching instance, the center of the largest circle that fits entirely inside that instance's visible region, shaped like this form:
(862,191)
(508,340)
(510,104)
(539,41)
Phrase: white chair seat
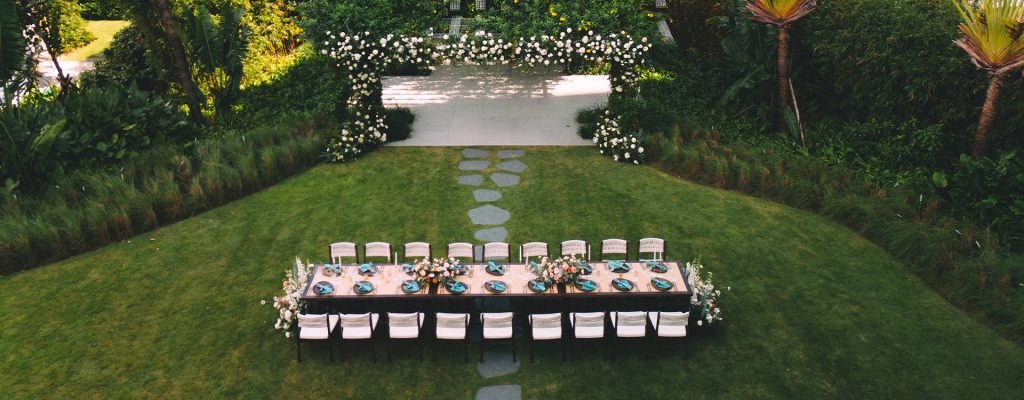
(667,330)
(587,332)
(633,324)
(405,332)
(497,333)
(361,331)
(319,333)
(547,333)
(451,333)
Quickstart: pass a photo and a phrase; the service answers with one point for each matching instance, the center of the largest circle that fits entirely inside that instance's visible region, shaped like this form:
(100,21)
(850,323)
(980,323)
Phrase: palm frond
(992,32)
(12,44)
(780,12)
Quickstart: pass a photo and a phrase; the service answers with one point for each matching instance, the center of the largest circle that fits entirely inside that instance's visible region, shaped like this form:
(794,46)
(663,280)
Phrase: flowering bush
(440,270)
(705,296)
(558,270)
(366,57)
(288,305)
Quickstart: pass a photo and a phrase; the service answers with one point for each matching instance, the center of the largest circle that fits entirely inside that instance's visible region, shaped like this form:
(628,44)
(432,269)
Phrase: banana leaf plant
(218,51)
(781,13)
(993,36)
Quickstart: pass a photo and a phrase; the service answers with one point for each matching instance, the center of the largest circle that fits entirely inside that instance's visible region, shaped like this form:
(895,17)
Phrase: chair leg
(531,351)
(561,342)
(421,349)
(298,349)
(387,349)
(434,351)
(330,349)
(686,348)
(482,349)
(373,346)
(465,351)
(513,348)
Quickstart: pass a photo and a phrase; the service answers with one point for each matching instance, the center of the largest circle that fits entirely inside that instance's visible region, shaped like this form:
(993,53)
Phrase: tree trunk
(783,66)
(180,63)
(63,80)
(988,113)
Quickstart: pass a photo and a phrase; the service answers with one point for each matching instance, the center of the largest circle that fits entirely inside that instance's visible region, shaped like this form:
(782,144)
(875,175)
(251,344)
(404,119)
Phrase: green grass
(815,310)
(104,32)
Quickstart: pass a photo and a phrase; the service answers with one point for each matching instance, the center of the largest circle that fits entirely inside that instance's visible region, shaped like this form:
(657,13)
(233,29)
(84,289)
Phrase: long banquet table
(388,279)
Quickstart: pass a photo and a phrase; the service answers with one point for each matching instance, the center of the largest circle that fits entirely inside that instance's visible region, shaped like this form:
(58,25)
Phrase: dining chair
(358,327)
(461,250)
(588,326)
(671,325)
(532,249)
(614,246)
(655,246)
(404,326)
(377,249)
(340,250)
(497,326)
(546,327)
(575,247)
(452,326)
(417,250)
(497,250)
(631,324)
(315,327)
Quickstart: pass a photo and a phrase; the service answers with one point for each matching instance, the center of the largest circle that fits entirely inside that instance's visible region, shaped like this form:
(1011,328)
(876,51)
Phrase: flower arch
(366,56)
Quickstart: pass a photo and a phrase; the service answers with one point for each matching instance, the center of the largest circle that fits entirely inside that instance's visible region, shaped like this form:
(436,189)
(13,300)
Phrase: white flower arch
(366,57)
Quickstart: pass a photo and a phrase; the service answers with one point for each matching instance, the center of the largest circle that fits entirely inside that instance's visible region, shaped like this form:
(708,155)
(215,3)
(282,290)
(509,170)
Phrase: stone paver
(483,195)
(510,153)
(474,165)
(504,180)
(473,180)
(488,215)
(512,166)
(491,234)
(497,363)
(475,153)
(499,392)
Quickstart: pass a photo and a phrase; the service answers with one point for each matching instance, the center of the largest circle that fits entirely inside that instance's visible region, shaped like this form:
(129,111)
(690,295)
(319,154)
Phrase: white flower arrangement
(705,296)
(288,305)
(366,58)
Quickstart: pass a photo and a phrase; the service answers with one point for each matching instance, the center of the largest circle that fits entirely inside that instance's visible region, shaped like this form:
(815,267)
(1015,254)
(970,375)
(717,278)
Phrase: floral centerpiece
(439,270)
(705,296)
(288,305)
(558,270)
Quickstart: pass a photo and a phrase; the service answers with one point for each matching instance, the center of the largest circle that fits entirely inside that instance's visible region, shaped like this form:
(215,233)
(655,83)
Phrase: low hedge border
(963,264)
(93,208)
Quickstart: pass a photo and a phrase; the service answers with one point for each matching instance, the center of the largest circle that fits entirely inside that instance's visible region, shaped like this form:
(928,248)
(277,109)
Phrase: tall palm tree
(993,35)
(781,13)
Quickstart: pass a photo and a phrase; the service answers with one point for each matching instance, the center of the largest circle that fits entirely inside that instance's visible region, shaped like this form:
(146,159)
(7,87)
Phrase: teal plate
(323,288)
(362,287)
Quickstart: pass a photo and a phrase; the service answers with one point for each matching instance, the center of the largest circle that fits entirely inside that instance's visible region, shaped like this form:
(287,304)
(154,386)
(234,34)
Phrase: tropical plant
(12,44)
(58,27)
(217,52)
(781,13)
(993,36)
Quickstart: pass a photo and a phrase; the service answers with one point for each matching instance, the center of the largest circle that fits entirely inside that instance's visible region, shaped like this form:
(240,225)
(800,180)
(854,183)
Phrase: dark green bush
(399,122)
(128,60)
(588,118)
(991,191)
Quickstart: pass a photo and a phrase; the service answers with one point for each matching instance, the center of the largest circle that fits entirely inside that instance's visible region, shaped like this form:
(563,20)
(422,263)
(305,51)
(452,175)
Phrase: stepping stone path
(504,180)
(482,195)
(499,363)
(472,180)
(515,166)
(475,165)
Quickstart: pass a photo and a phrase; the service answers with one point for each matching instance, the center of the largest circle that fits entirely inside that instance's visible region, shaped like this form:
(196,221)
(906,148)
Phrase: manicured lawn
(815,311)
(104,32)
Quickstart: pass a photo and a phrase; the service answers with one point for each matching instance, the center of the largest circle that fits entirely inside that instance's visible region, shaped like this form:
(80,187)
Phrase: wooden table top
(388,280)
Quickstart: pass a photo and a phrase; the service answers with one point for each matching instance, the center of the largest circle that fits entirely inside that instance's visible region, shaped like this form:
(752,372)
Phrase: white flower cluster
(621,146)
(288,306)
(705,296)
(366,57)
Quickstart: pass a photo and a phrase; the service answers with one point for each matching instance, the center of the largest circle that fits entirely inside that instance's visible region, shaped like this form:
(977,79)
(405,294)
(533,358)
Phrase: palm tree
(781,13)
(993,35)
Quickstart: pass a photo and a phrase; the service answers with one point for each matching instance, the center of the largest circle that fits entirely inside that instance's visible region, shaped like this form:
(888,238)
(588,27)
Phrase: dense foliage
(128,61)
(97,127)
